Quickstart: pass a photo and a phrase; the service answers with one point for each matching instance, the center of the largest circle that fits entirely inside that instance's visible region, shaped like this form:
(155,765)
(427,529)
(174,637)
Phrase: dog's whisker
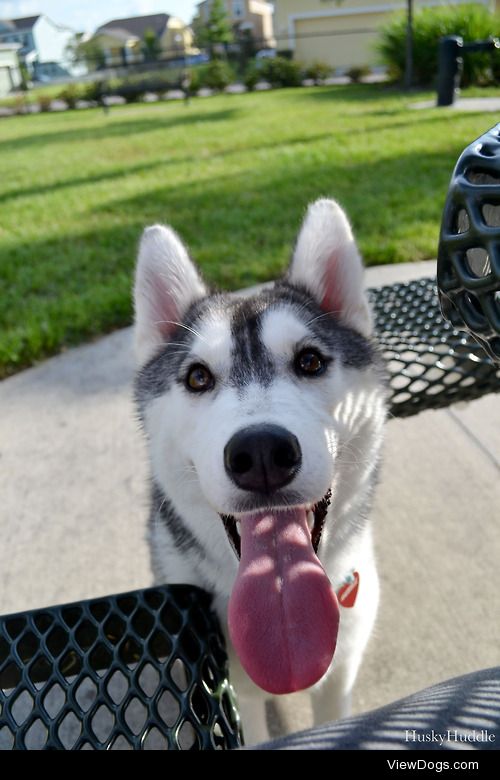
(186,482)
(161,506)
(182,325)
(349,446)
(188,479)
(300,308)
(356,460)
(324,314)
(350,449)
(179,344)
(186,475)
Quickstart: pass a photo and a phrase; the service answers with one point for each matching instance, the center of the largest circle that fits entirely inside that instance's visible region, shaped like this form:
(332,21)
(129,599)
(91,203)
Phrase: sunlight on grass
(233,174)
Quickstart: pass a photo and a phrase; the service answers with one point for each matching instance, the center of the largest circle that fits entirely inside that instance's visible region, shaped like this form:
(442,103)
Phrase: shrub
(357,72)
(280,72)
(252,76)
(318,71)
(70,94)
(45,102)
(26,82)
(92,90)
(217,74)
(19,104)
(496,70)
(472,22)
(126,88)
(195,80)
(132,88)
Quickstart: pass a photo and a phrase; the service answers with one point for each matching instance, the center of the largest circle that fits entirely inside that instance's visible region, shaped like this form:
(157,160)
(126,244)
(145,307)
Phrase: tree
(216,31)
(89,52)
(150,46)
(246,47)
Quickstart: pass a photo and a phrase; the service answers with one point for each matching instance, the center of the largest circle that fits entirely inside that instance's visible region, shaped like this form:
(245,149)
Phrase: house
(340,34)
(10,72)
(137,38)
(254,16)
(44,45)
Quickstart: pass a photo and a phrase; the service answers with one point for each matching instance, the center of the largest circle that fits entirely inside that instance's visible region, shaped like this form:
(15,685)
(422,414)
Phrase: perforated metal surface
(469,247)
(141,670)
(429,363)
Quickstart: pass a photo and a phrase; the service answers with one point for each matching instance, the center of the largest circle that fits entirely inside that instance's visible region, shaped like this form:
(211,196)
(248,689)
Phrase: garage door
(341,41)
(5,82)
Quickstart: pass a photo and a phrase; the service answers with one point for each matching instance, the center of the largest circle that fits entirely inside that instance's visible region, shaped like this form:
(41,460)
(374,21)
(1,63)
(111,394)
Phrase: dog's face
(243,392)
(247,401)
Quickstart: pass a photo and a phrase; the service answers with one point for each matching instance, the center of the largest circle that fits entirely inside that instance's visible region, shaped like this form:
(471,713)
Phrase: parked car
(195,59)
(266,54)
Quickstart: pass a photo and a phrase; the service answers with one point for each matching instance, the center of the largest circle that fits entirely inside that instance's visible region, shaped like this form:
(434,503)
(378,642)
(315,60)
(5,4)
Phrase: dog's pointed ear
(327,263)
(166,284)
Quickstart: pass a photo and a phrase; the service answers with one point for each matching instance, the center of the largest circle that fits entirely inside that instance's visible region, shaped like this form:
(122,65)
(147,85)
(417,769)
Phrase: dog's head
(248,401)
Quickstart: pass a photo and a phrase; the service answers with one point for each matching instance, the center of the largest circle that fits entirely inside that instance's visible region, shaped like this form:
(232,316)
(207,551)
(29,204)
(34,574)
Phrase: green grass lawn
(232,174)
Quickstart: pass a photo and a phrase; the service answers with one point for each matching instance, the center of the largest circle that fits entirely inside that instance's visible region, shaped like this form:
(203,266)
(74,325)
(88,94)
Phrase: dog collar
(348,591)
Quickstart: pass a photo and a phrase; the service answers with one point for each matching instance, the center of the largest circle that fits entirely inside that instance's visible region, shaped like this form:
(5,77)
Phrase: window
(238,9)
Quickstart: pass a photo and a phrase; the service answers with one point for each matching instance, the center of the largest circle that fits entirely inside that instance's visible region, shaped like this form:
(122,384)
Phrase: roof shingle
(25,22)
(137,25)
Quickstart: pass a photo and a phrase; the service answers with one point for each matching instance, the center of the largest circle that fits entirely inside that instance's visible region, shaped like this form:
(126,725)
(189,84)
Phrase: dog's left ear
(166,284)
(326,261)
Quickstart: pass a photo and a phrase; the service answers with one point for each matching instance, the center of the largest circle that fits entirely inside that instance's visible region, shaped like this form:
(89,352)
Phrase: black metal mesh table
(429,363)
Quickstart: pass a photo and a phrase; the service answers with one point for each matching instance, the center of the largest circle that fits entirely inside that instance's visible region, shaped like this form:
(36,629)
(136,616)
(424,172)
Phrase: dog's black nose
(262,458)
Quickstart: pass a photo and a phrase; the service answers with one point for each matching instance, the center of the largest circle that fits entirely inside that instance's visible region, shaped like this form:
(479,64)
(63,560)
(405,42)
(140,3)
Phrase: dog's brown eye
(199,379)
(309,362)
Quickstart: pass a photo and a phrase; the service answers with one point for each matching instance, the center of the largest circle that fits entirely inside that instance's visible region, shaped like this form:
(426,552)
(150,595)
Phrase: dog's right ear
(166,284)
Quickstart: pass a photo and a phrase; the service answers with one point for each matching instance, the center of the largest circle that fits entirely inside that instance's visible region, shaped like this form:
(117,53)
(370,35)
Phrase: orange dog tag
(348,592)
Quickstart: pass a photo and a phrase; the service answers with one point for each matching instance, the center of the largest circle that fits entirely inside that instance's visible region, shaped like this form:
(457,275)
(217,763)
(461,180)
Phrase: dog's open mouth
(315,520)
(283,612)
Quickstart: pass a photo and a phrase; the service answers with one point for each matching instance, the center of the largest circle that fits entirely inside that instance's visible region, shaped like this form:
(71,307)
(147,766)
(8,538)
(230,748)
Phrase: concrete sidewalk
(74,506)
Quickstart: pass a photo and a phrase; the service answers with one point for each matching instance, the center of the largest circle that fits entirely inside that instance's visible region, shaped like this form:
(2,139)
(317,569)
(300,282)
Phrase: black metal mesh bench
(148,669)
(139,670)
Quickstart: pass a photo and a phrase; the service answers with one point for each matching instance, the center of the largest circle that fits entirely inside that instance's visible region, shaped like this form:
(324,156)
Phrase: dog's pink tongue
(283,612)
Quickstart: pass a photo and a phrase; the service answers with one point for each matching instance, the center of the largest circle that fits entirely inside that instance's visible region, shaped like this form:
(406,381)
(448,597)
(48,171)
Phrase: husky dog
(264,418)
